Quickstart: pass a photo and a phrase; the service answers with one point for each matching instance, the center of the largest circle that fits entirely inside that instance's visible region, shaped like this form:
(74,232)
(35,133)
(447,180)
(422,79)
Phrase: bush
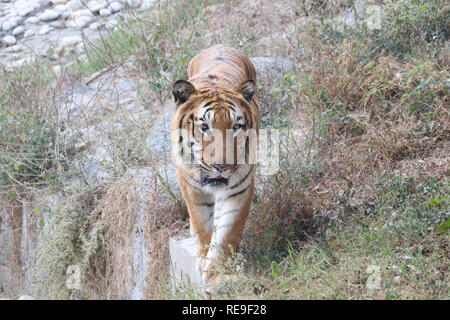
(31,152)
(409,28)
(410,24)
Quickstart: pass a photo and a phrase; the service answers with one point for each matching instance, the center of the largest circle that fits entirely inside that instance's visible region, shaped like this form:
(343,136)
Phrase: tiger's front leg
(230,214)
(200,206)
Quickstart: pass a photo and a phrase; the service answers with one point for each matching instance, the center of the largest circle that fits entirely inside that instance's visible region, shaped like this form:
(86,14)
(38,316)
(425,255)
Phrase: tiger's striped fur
(219,95)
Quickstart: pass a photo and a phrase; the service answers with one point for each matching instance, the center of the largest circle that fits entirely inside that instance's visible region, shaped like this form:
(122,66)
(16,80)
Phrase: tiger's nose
(222,167)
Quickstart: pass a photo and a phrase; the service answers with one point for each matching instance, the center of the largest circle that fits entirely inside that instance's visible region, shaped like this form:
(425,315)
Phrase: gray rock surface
(28,33)
(18,31)
(267,67)
(9,40)
(183,263)
(49,15)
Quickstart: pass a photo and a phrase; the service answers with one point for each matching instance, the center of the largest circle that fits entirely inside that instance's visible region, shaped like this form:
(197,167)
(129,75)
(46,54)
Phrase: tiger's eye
(205,127)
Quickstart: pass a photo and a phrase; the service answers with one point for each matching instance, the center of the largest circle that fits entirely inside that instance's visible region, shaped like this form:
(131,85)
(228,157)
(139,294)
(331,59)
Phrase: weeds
(31,152)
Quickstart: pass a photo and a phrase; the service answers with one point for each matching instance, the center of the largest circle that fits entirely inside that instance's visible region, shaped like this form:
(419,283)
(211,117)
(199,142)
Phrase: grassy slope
(370,188)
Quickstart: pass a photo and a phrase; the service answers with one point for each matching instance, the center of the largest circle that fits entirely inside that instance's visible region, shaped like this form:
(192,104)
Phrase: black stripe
(235,194)
(195,180)
(206,204)
(193,137)
(232,106)
(243,179)
(180,142)
(226,212)
(247,149)
(180,124)
(207,104)
(225,225)
(205,167)
(238,193)
(190,184)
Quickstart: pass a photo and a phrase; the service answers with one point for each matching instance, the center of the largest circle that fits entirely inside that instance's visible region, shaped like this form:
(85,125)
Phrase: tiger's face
(216,132)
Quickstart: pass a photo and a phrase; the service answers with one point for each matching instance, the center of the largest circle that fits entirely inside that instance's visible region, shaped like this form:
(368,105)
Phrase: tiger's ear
(247,89)
(182,90)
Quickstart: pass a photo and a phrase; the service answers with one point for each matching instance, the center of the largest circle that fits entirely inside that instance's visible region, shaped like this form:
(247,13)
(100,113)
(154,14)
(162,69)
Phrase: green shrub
(31,153)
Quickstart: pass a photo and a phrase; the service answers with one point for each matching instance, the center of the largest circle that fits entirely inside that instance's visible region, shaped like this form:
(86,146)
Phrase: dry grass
(134,206)
(373,115)
(278,219)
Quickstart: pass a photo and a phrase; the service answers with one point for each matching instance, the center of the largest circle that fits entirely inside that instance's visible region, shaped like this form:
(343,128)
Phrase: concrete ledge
(184,271)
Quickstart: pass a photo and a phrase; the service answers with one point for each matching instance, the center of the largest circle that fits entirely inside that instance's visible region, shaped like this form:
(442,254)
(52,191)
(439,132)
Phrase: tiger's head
(215,132)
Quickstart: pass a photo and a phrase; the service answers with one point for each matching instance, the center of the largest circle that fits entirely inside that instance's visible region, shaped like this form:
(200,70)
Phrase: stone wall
(53,28)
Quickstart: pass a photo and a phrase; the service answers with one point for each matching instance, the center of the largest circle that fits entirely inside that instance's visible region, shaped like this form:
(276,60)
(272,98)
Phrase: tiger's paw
(201,263)
(220,285)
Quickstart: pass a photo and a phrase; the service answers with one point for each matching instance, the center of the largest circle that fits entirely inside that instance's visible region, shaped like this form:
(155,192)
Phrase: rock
(9,40)
(96,25)
(26,11)
(74,5)
(45,29)
(71,41)
(49,15)
(65,15)
(82,21)
(26,297)
(9,24)
(58,1)
(61,8)
(80,50)
(111,24)
(96,6)
(8,278)
(115,6)
(18,31)
(57,70)
(16,48)
(266,68)
(22,4)
(183,261)
(59,51)
(81,18)
(133,3)
(105,13)
(147,4)
(18,63)
(11,13)
(159,140)
(57,24)
(82,12)
(28,33)
(32,20)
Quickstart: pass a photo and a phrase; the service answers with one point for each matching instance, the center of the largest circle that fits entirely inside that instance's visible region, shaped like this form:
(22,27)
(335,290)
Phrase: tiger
(219,98)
